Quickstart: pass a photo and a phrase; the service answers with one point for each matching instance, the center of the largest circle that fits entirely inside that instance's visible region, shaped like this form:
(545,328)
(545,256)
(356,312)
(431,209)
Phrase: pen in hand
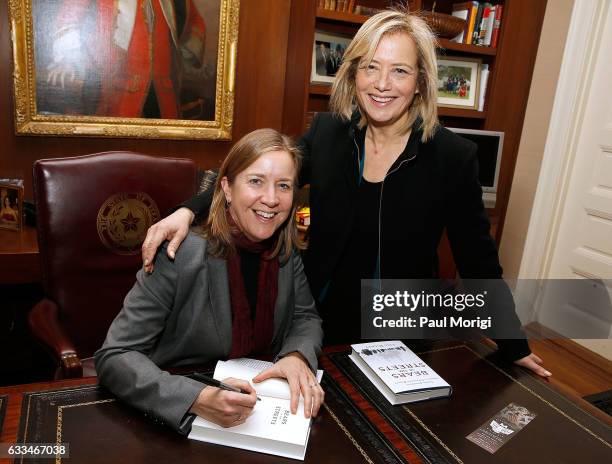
(217,383)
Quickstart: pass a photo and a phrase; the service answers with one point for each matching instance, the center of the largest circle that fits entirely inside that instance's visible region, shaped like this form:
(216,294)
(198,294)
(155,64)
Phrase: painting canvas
(458,80)
(134,68)
(11,207)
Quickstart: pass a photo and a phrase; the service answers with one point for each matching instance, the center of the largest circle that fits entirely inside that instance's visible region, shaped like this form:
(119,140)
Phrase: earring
(228,203)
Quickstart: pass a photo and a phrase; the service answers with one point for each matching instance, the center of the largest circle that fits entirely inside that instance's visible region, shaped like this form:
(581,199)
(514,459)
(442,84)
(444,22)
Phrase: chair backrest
(93,213)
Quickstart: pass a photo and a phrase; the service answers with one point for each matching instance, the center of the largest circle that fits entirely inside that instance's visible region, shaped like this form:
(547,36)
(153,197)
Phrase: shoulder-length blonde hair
(362,49)
(244,153)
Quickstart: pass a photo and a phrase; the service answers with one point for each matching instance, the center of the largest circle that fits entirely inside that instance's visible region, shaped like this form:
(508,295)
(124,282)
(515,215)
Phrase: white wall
(535,130)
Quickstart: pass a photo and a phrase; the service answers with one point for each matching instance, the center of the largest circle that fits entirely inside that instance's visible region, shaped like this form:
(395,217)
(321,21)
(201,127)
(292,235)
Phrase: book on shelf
(482,89)
(398,373)
(271,428)
(366,10)
(461,10)
(477,22)
(471,22)
(496,25)
(490,25)
(482,25)
(485,25)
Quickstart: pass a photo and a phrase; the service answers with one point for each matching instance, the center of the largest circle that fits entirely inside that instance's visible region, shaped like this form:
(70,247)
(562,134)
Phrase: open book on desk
(271,428)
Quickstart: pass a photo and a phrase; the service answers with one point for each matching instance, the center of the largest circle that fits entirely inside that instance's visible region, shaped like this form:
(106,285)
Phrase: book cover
(484,23)
(482,89)
(496,25)
(477,21)
(489,27)
(271,428)
(399,374)
(472,22)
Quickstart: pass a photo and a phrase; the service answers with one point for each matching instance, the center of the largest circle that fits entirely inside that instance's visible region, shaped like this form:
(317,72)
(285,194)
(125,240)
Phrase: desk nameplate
(480,388)
(100,428)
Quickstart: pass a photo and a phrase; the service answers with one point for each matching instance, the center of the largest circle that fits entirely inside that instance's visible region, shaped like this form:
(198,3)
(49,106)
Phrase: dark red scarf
(252,336)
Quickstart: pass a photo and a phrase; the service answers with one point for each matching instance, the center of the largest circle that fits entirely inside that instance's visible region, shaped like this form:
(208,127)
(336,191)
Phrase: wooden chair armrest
(46,327)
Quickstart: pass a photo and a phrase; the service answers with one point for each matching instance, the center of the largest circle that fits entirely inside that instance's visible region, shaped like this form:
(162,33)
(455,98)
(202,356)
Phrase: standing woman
(385,180)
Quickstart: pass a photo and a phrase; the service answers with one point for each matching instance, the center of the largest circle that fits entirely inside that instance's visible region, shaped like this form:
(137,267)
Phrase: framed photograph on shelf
(124,68)
(11,199)
(458,82)
(327,53)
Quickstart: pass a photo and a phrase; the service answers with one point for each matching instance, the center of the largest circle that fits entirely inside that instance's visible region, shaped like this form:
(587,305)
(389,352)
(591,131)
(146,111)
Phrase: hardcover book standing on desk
(399,374)
(271,428)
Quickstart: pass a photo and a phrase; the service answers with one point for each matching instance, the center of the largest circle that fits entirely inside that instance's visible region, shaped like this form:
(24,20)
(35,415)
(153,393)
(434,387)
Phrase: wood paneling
(509,87)
(260,87)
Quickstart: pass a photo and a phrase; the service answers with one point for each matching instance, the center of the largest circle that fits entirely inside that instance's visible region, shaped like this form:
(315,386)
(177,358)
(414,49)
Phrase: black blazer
(431,186)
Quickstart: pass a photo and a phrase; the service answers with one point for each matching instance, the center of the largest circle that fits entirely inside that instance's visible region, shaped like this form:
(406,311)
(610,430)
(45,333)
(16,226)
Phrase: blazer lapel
(218,285)
(282,306)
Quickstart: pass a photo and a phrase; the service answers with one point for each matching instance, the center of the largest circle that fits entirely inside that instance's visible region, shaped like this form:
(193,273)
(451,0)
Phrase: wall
(533,138)
(259,99)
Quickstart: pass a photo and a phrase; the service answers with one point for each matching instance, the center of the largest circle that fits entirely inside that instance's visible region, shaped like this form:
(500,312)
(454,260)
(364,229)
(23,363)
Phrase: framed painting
(458,81)
(11,204)
(125,68)
(327,52)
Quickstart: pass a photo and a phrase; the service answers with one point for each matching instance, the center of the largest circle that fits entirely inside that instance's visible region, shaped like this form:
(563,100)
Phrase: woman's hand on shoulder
(295,369)
(223,407)
(533,363)
(173,228)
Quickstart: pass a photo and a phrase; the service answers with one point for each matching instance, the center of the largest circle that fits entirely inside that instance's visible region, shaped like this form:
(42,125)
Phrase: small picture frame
(11,201)
(327,53)
(458,82)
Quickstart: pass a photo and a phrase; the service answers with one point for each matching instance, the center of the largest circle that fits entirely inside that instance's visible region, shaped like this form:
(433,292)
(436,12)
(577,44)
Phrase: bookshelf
(510,65)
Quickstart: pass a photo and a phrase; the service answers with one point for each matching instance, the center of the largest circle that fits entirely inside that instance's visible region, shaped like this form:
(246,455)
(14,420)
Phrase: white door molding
(581,49)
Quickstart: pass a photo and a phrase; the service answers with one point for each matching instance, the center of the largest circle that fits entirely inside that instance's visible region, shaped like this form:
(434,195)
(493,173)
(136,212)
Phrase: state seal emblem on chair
(123,220)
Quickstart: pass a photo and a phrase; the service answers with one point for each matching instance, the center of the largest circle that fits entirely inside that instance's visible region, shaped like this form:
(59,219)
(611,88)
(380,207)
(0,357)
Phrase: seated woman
(236,288)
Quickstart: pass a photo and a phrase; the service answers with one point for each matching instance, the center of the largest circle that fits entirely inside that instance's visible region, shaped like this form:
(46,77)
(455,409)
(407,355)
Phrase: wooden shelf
(320,89)
(341,16)
(462,113)
(472,49)
(19,258)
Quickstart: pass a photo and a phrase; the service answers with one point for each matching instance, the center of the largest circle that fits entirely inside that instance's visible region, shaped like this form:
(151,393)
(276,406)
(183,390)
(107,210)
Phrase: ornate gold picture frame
(125,68)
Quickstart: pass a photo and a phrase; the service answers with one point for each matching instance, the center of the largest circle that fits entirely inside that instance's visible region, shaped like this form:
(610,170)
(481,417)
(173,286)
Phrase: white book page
(246,369)
(398,367)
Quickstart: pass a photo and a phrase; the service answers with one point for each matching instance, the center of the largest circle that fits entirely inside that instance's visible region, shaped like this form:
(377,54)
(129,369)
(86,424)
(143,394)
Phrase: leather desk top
(356,426)
(482,386)
(100,429)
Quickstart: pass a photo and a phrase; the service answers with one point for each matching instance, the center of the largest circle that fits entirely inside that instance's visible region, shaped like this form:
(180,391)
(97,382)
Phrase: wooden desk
(100,429)
(482,386)
(19,258)
(418,433)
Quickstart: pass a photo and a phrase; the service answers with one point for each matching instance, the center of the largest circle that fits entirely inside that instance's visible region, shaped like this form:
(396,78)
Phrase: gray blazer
(181,315)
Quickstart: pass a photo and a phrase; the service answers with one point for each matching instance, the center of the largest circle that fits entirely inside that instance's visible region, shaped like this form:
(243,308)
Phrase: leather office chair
(93,213)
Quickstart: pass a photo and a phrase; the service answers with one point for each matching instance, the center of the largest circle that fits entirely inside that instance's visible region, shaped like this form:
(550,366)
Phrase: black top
(249,265)
(363,244)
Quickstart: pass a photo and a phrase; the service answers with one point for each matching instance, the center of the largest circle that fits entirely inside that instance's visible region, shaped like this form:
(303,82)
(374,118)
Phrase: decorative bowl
(445,26)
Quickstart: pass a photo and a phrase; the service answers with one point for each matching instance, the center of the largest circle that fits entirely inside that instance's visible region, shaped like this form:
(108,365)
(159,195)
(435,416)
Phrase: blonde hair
(244,153)
(362,49)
